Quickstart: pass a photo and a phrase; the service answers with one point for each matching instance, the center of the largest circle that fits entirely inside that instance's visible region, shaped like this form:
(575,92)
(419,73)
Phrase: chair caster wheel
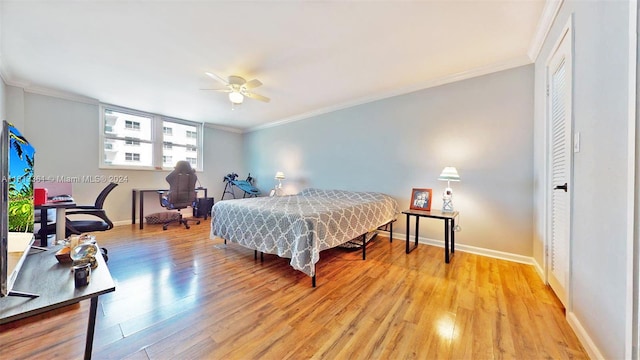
(164,227)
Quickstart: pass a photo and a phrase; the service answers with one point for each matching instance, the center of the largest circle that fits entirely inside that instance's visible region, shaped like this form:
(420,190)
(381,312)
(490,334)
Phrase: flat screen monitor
(16,205)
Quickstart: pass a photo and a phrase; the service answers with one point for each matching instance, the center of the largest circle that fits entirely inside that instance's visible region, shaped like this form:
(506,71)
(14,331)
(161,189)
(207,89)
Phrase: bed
(299,227)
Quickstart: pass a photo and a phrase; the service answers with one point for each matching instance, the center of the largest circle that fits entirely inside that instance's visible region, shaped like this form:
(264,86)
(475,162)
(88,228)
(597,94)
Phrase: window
(132,156)
(181,146)
(124,129)
(134,125)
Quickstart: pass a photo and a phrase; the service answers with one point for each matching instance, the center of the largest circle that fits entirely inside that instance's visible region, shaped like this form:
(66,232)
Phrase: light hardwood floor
(180,295)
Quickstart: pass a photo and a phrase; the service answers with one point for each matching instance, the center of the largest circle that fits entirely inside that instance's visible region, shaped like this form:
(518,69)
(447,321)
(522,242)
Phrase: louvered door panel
(560,164)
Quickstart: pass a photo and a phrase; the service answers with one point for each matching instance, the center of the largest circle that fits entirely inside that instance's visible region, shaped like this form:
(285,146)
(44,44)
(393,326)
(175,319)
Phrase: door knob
(561,187)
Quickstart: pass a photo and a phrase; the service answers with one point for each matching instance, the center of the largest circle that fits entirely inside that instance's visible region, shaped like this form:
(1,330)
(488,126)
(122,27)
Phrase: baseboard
(122,222)
(539,270)
(583,336)
(471,249)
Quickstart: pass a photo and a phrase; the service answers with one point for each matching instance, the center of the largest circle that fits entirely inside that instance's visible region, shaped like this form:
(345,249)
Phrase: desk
(134,194)
(449,225)
(61,220)
(42,274)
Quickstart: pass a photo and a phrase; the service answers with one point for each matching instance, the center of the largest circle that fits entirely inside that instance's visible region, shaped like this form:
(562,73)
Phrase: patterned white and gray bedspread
(300,226)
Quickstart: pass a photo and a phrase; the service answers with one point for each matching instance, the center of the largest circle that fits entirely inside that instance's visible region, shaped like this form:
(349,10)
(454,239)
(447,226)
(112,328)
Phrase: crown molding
(464,75)
(549,14)
(26,87)
(223,128)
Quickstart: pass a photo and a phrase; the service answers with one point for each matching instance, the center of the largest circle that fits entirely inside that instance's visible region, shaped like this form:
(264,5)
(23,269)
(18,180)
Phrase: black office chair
(86,225)
(181,194)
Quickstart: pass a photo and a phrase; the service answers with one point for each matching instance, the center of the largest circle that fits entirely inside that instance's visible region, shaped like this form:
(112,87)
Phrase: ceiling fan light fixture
(236,97)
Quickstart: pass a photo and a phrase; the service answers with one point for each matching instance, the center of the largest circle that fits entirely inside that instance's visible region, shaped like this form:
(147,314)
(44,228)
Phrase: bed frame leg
(313,281)
(391,232)
(255,255)
(364,246)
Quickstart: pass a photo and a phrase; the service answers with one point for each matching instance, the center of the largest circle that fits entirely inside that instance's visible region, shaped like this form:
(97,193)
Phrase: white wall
(65,136)
(3,102)
(483,126)
(600,193)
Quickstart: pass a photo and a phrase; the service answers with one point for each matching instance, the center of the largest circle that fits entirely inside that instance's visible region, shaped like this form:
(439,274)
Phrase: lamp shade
(449,174)
(279,175)
(235,97)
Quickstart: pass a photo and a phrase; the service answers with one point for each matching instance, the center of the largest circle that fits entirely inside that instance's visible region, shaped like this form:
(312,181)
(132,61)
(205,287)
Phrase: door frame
(632,331)
(568,33)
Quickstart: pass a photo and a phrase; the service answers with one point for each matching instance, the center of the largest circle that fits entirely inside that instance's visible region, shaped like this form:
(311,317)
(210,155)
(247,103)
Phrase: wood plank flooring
(180,295)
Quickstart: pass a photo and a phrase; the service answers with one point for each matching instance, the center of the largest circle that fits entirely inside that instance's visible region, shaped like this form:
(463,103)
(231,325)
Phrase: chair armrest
(163,197)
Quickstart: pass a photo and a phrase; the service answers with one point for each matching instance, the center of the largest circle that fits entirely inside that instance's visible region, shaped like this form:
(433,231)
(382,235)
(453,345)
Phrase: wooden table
(54,283)
(449,225)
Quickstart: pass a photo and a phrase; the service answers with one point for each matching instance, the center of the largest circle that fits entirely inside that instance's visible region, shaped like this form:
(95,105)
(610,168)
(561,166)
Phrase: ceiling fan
(238,88)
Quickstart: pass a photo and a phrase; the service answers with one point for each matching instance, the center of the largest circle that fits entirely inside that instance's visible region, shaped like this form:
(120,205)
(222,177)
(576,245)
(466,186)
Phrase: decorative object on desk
(90,260)
(87,238)
(84,251)
(448,174)
(64,255)
(81,275)
(85,254)
(421,199)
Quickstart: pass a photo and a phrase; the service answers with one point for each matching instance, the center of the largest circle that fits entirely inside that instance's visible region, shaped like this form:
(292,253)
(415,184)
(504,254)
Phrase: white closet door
(560,165)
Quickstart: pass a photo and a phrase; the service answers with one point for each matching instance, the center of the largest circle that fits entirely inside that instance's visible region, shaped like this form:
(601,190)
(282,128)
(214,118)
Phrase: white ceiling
(312,57)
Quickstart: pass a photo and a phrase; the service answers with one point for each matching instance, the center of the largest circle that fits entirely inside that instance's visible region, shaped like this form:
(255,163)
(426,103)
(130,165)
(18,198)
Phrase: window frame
(157,140)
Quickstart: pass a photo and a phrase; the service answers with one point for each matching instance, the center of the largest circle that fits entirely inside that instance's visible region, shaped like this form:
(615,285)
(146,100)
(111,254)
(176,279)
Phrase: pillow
(162,217)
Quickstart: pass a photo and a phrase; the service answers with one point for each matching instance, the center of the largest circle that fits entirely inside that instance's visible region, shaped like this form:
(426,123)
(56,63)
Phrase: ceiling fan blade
(226,90)
(252,84)
(237,80)
(257,97)
(217,78)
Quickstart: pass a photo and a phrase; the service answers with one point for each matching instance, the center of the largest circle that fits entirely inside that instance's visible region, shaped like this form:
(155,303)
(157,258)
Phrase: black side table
(449,225)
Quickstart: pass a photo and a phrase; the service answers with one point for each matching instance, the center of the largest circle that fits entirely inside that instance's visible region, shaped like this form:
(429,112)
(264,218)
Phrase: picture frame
(421,199)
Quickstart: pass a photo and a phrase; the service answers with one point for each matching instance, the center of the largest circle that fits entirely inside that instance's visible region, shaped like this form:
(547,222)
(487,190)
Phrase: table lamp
(448,174)
(279,177)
